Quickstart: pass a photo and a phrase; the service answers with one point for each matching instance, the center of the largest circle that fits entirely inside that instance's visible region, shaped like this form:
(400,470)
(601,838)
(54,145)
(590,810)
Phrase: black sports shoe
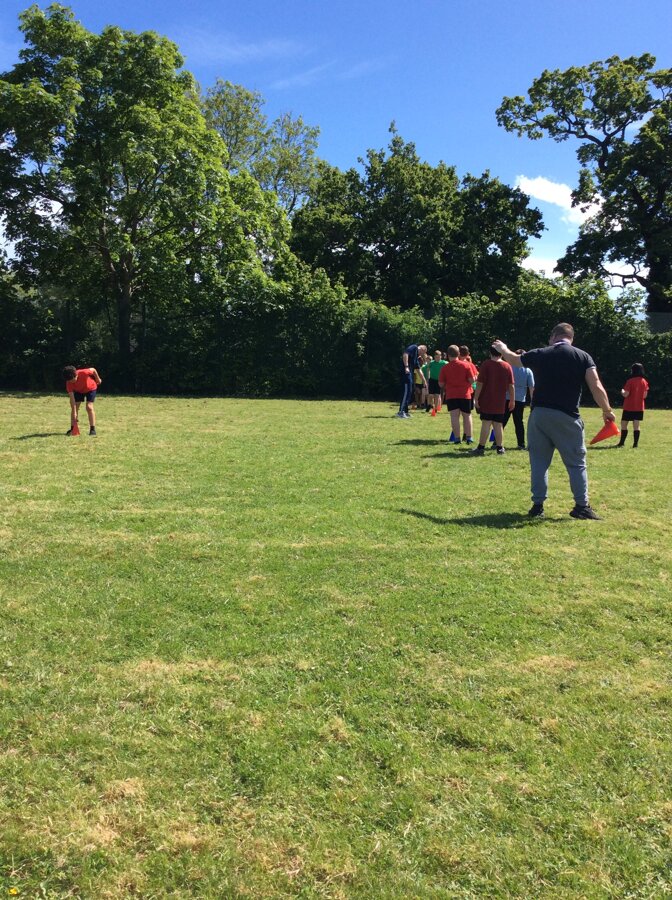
(478,451)
(536,511)
(92,432)
(583,512)
(501,450)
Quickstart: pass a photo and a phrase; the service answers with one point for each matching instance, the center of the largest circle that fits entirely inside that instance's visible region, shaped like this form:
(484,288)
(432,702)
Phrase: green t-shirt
(435,367)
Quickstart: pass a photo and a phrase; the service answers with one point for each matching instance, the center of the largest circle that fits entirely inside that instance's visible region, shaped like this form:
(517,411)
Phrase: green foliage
(404,232)
(620,111)
(112,180)
(280,155)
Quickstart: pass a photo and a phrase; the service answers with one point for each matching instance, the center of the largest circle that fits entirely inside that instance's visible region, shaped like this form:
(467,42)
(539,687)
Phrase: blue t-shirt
(522,380)
(559,376)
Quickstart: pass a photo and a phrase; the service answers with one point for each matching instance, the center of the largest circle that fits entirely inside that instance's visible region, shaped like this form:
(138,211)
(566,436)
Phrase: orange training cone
(75,429)
(609,429)
(433,410)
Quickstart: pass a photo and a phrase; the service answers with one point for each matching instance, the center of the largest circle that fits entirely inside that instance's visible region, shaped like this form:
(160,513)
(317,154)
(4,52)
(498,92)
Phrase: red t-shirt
(636,388)
(456,379)
(496,377)
(82,383)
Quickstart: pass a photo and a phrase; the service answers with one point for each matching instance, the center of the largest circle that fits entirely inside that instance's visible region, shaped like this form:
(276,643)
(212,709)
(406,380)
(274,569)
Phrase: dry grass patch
(549,664)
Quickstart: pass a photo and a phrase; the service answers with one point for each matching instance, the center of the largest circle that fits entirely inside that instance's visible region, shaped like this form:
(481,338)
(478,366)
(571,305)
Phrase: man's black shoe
(583,512)
(478,451)
(536,511)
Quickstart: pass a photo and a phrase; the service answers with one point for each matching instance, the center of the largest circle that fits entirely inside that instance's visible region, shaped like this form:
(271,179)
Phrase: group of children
(451,378)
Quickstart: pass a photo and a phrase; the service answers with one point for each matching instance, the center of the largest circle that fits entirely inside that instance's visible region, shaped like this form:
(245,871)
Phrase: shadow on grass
(492,520)
(41,434)
(610,447)
(422,442)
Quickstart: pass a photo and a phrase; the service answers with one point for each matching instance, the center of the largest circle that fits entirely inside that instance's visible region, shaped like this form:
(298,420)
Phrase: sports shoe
(92,432)
(536,511)
(583,512)
(521,447)
(500,451)
(401,415)
(69,431)
(468,440)
(478,451)
(458,441)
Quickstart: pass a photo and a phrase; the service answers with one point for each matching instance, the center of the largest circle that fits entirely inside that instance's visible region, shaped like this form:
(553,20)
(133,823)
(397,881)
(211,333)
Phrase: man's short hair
(453,351)
(563,330)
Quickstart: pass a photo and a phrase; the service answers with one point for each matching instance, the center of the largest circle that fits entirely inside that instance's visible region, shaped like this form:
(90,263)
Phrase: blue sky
(438,68)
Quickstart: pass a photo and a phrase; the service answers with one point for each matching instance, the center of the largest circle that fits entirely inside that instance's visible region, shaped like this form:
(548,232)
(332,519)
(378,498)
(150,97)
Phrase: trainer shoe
(401,415)
(92,432)
(478,451)
(468,440)
(69,431)
(522,447)
(500,450)
(583,512)
(536,511)
(458,441)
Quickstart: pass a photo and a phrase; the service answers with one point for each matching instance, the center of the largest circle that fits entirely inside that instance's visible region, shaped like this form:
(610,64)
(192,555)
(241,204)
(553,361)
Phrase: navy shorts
(632,416)
(459,403)
(492,417)
(89,397)
(434,386)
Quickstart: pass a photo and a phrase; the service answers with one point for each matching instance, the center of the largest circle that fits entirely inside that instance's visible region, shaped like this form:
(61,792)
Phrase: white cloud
(206,47)
(302,79)
(541,264)
(558,194)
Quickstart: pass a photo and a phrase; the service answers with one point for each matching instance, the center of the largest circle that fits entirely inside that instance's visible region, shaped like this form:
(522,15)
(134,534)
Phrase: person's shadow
(39,434)
(491,520)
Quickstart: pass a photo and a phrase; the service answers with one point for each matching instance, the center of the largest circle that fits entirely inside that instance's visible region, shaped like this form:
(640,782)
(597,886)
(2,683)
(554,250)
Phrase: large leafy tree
(406,233)
(110,179)
(620,112)
(279,154)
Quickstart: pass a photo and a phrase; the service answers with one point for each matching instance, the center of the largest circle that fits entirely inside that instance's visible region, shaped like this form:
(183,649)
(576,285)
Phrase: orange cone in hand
(75,429)
(609,429)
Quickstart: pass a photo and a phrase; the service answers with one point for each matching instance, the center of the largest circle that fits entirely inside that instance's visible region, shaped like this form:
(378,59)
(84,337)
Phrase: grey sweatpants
(549,430)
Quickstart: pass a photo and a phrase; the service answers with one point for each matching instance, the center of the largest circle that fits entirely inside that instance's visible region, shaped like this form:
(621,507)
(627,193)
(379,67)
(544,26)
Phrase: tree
(405,232)
(280,155)
(111,181)
(620,111)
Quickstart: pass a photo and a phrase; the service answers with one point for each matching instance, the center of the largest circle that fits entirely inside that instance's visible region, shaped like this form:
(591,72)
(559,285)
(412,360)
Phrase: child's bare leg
(466,422)
(455,422)
(91,413)
(499,433)
(485,431)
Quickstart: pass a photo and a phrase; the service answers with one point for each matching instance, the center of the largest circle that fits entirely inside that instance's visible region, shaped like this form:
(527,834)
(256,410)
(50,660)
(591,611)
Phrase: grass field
(285,649)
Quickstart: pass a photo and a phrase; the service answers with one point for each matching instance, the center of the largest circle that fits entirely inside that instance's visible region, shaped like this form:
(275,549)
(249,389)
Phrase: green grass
(272,649)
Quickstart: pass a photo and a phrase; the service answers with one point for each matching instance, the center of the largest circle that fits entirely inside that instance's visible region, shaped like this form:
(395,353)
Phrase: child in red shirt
(634,393)
(82,384)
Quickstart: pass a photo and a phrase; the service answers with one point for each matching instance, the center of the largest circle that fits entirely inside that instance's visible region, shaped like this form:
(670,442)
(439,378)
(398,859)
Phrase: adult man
(410,361)
(494,383)
(523,381)
(555,423)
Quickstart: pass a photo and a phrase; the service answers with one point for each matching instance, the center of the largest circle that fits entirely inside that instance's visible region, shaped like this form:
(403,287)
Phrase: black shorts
(493,417)
(89,397)
(630,416)
(434,386)
(459,403)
